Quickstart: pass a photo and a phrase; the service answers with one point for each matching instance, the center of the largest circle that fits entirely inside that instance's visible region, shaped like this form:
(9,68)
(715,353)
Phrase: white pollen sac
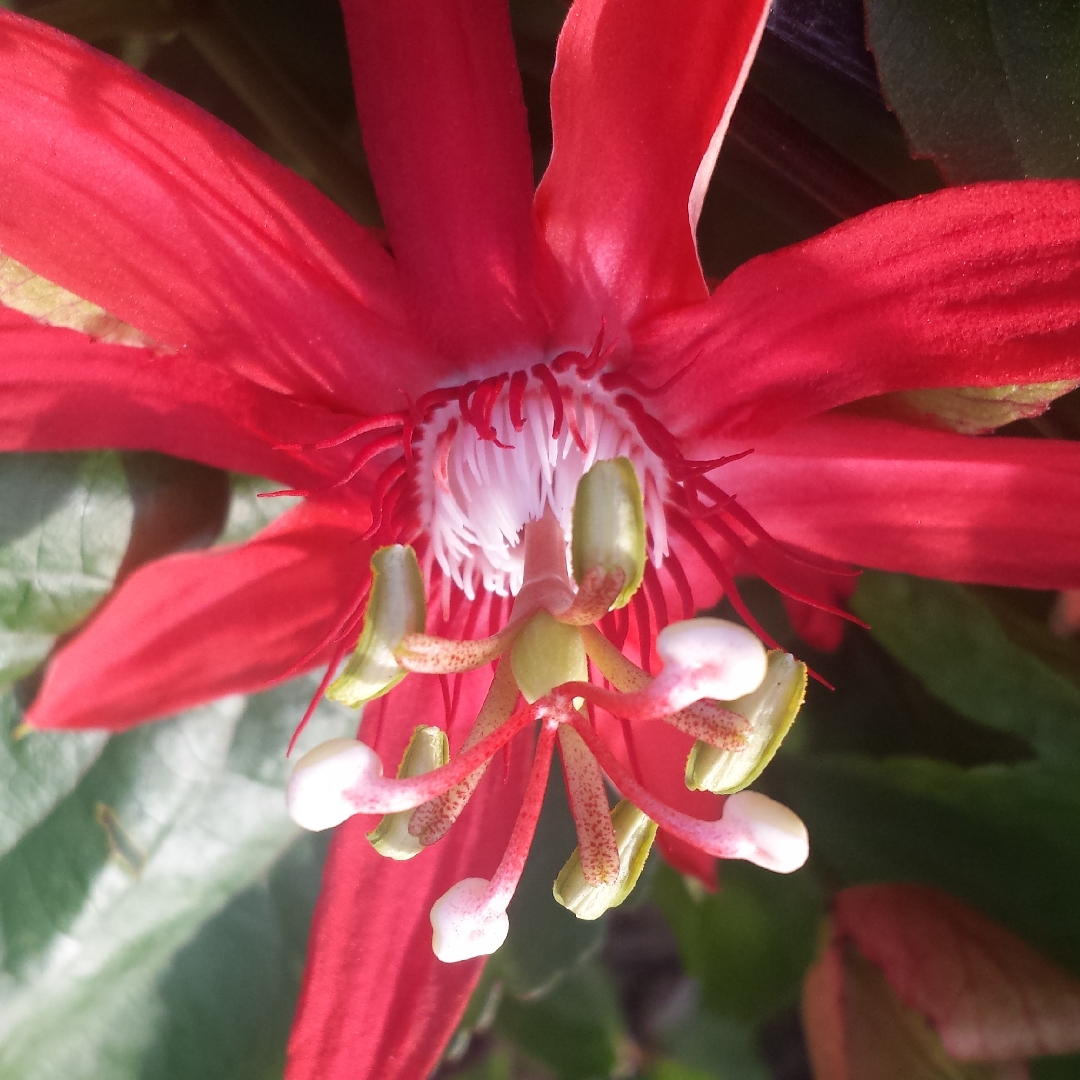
(463,923)
(726,660)
(476,496)
(777,838)
(315,796)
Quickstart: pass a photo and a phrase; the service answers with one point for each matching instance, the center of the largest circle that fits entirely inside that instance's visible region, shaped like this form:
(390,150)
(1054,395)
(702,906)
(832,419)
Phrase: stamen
(634,833)
(714,726)
(770,711)
(597,594)
(752,827)
(599,851)
(609,527)
(704,720)
(431,821)
(428,749)
(396,608)
(429,655)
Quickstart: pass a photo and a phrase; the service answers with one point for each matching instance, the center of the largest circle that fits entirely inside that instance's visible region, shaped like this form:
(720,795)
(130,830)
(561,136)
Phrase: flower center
(509,450)
(543,655)
(557,486)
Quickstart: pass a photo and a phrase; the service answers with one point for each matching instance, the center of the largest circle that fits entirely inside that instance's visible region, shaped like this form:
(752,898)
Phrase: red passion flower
(529,415)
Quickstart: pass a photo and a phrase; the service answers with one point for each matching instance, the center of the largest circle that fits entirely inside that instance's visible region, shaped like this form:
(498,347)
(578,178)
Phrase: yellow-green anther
(428,749)
(634,833)
(396,607)
(609,525)
(546,654)
(771,710)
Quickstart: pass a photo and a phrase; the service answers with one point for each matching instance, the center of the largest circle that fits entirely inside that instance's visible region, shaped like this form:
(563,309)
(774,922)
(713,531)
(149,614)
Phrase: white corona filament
(487,493)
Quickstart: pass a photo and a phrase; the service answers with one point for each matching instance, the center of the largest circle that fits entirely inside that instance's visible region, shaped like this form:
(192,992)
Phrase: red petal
(1001,511)
(191,627)
(211,243)
(375,1002)
(445,131)
(990,996)
(59,390)
(976,286)
(641,96)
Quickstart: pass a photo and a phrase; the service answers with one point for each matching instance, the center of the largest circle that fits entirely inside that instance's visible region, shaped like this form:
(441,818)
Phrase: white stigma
(715,658)
(465,924)
(476,496)
(776,837)
(315,797)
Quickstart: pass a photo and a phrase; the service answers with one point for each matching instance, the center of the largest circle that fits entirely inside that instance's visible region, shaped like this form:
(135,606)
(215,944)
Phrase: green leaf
(1004,838)
(65,526)
(249,514)
(1056,1068)
(21,652)
(701,1045)
(228,996)
(498,1065)
(576,1030)
(749,944)
(674,1070)
(956,645)
(164,826)
(38,771)
(990,89)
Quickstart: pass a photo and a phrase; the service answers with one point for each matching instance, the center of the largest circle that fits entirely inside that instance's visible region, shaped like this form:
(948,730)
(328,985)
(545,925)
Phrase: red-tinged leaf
(858,1029)
(823,1016)
(989,995)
